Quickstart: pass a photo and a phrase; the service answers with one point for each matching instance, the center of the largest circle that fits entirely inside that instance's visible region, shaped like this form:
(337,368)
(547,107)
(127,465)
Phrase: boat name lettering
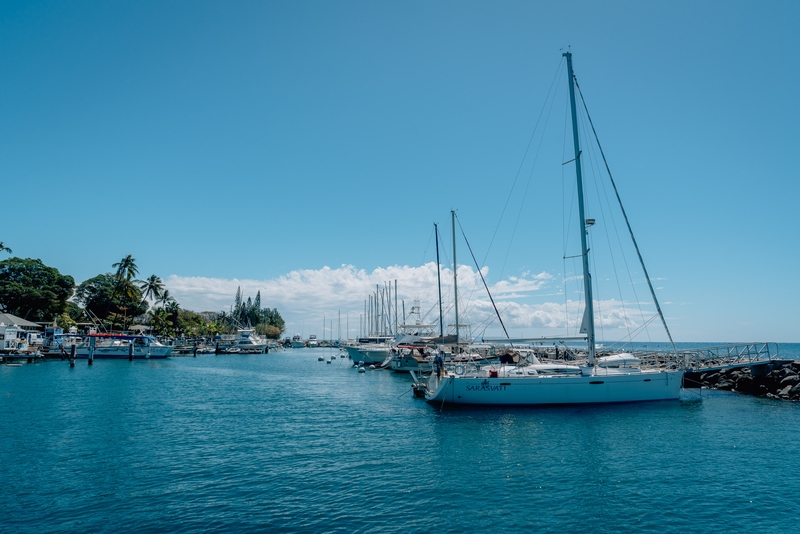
(484,386)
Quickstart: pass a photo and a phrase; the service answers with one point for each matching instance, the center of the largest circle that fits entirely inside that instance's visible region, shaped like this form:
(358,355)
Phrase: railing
(730,356)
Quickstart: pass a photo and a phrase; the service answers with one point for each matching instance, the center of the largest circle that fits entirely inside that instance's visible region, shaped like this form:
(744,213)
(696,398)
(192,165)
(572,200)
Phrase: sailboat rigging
(613,378)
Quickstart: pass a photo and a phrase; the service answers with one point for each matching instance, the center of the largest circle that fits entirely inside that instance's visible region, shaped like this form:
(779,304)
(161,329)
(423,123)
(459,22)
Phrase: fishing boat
(249,341)
(297,342)
(120,347)
(61,344)
(607,379)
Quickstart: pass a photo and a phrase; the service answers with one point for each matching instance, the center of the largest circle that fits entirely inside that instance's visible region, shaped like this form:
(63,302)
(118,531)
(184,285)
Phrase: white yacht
(312,341)
(297,342)
(249,341)
(369,349)
(118,347)
(614,378)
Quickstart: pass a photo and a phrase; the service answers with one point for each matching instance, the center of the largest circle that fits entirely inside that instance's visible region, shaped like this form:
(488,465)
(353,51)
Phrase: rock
(790,380)
(710,378)
(726,385)
(745,385)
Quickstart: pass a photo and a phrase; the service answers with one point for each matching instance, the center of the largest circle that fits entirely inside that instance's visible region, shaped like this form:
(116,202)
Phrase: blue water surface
(283,442)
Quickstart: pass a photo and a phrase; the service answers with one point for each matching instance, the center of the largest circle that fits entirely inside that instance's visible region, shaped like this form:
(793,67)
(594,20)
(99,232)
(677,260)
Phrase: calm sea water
(283,442)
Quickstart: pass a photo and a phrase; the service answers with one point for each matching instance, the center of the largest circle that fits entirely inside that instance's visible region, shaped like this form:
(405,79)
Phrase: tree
(153,287)
(126,268)
(174,310)
(108,297)
(159,320)
(32,290)
(65,321)
(194,324)
(166,298)
(4,248)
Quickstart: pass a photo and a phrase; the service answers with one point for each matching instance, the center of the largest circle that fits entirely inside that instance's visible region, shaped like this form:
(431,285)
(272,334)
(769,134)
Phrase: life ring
(459,369)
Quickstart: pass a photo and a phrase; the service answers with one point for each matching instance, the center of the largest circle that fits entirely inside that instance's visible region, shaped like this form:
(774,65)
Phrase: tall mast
(439,279)
(588,322)
(455,268)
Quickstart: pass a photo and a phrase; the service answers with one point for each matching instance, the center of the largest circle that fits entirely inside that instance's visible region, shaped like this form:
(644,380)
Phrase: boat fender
(459,369)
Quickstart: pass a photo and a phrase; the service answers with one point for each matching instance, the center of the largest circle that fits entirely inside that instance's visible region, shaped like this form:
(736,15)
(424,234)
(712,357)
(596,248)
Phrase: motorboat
(407,358)
(121,346)
(249,341)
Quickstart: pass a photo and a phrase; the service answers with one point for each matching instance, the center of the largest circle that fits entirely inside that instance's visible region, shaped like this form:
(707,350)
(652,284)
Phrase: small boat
(233,350)
(407,358)
(61,344)
(121,346)
(297,342)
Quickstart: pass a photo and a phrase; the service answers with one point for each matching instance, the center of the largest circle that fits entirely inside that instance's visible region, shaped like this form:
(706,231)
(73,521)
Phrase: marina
(415,267)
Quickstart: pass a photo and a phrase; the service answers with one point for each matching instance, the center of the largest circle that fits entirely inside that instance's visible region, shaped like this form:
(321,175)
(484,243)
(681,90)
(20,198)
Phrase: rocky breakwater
(776,380)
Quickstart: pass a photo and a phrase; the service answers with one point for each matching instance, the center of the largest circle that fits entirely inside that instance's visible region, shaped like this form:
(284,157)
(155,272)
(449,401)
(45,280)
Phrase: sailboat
(609,379)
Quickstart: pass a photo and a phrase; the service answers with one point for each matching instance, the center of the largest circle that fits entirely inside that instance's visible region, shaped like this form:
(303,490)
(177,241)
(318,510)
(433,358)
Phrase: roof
(7,318)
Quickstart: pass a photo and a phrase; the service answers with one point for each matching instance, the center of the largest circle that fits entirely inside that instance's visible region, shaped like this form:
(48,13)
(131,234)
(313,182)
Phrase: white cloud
(304,297)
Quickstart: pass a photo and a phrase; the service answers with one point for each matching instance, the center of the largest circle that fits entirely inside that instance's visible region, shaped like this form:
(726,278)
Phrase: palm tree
(126,267)
(166,298)
(174,310)
(159,320)
(126,271)
(4,248)
(153,288)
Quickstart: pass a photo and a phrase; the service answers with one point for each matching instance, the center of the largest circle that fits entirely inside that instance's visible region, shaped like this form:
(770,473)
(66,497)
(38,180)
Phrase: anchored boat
(613,378)
(120,347)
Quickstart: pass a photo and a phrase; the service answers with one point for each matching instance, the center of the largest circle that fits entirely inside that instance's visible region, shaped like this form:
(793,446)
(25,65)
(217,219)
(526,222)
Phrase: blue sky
(304,149)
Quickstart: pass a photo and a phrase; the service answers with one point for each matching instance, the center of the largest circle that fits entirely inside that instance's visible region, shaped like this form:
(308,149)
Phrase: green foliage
(193,324)
(109,297)
(74,312)
(159,320)
(32,290)
(249,313)
(65,321)
(126,268)
(152,288)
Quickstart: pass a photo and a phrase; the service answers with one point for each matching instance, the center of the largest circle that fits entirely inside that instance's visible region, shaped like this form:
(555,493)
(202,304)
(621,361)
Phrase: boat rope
(627,222)
(482,278)
(556,77)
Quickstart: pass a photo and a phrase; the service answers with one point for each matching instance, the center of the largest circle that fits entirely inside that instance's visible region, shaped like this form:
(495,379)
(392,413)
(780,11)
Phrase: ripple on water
(284,442)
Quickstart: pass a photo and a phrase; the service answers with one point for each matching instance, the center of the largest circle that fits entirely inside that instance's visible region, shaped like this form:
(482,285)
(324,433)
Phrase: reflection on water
(285,442)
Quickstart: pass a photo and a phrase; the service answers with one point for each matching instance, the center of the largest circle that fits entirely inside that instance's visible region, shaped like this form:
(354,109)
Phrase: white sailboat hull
(544,390)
